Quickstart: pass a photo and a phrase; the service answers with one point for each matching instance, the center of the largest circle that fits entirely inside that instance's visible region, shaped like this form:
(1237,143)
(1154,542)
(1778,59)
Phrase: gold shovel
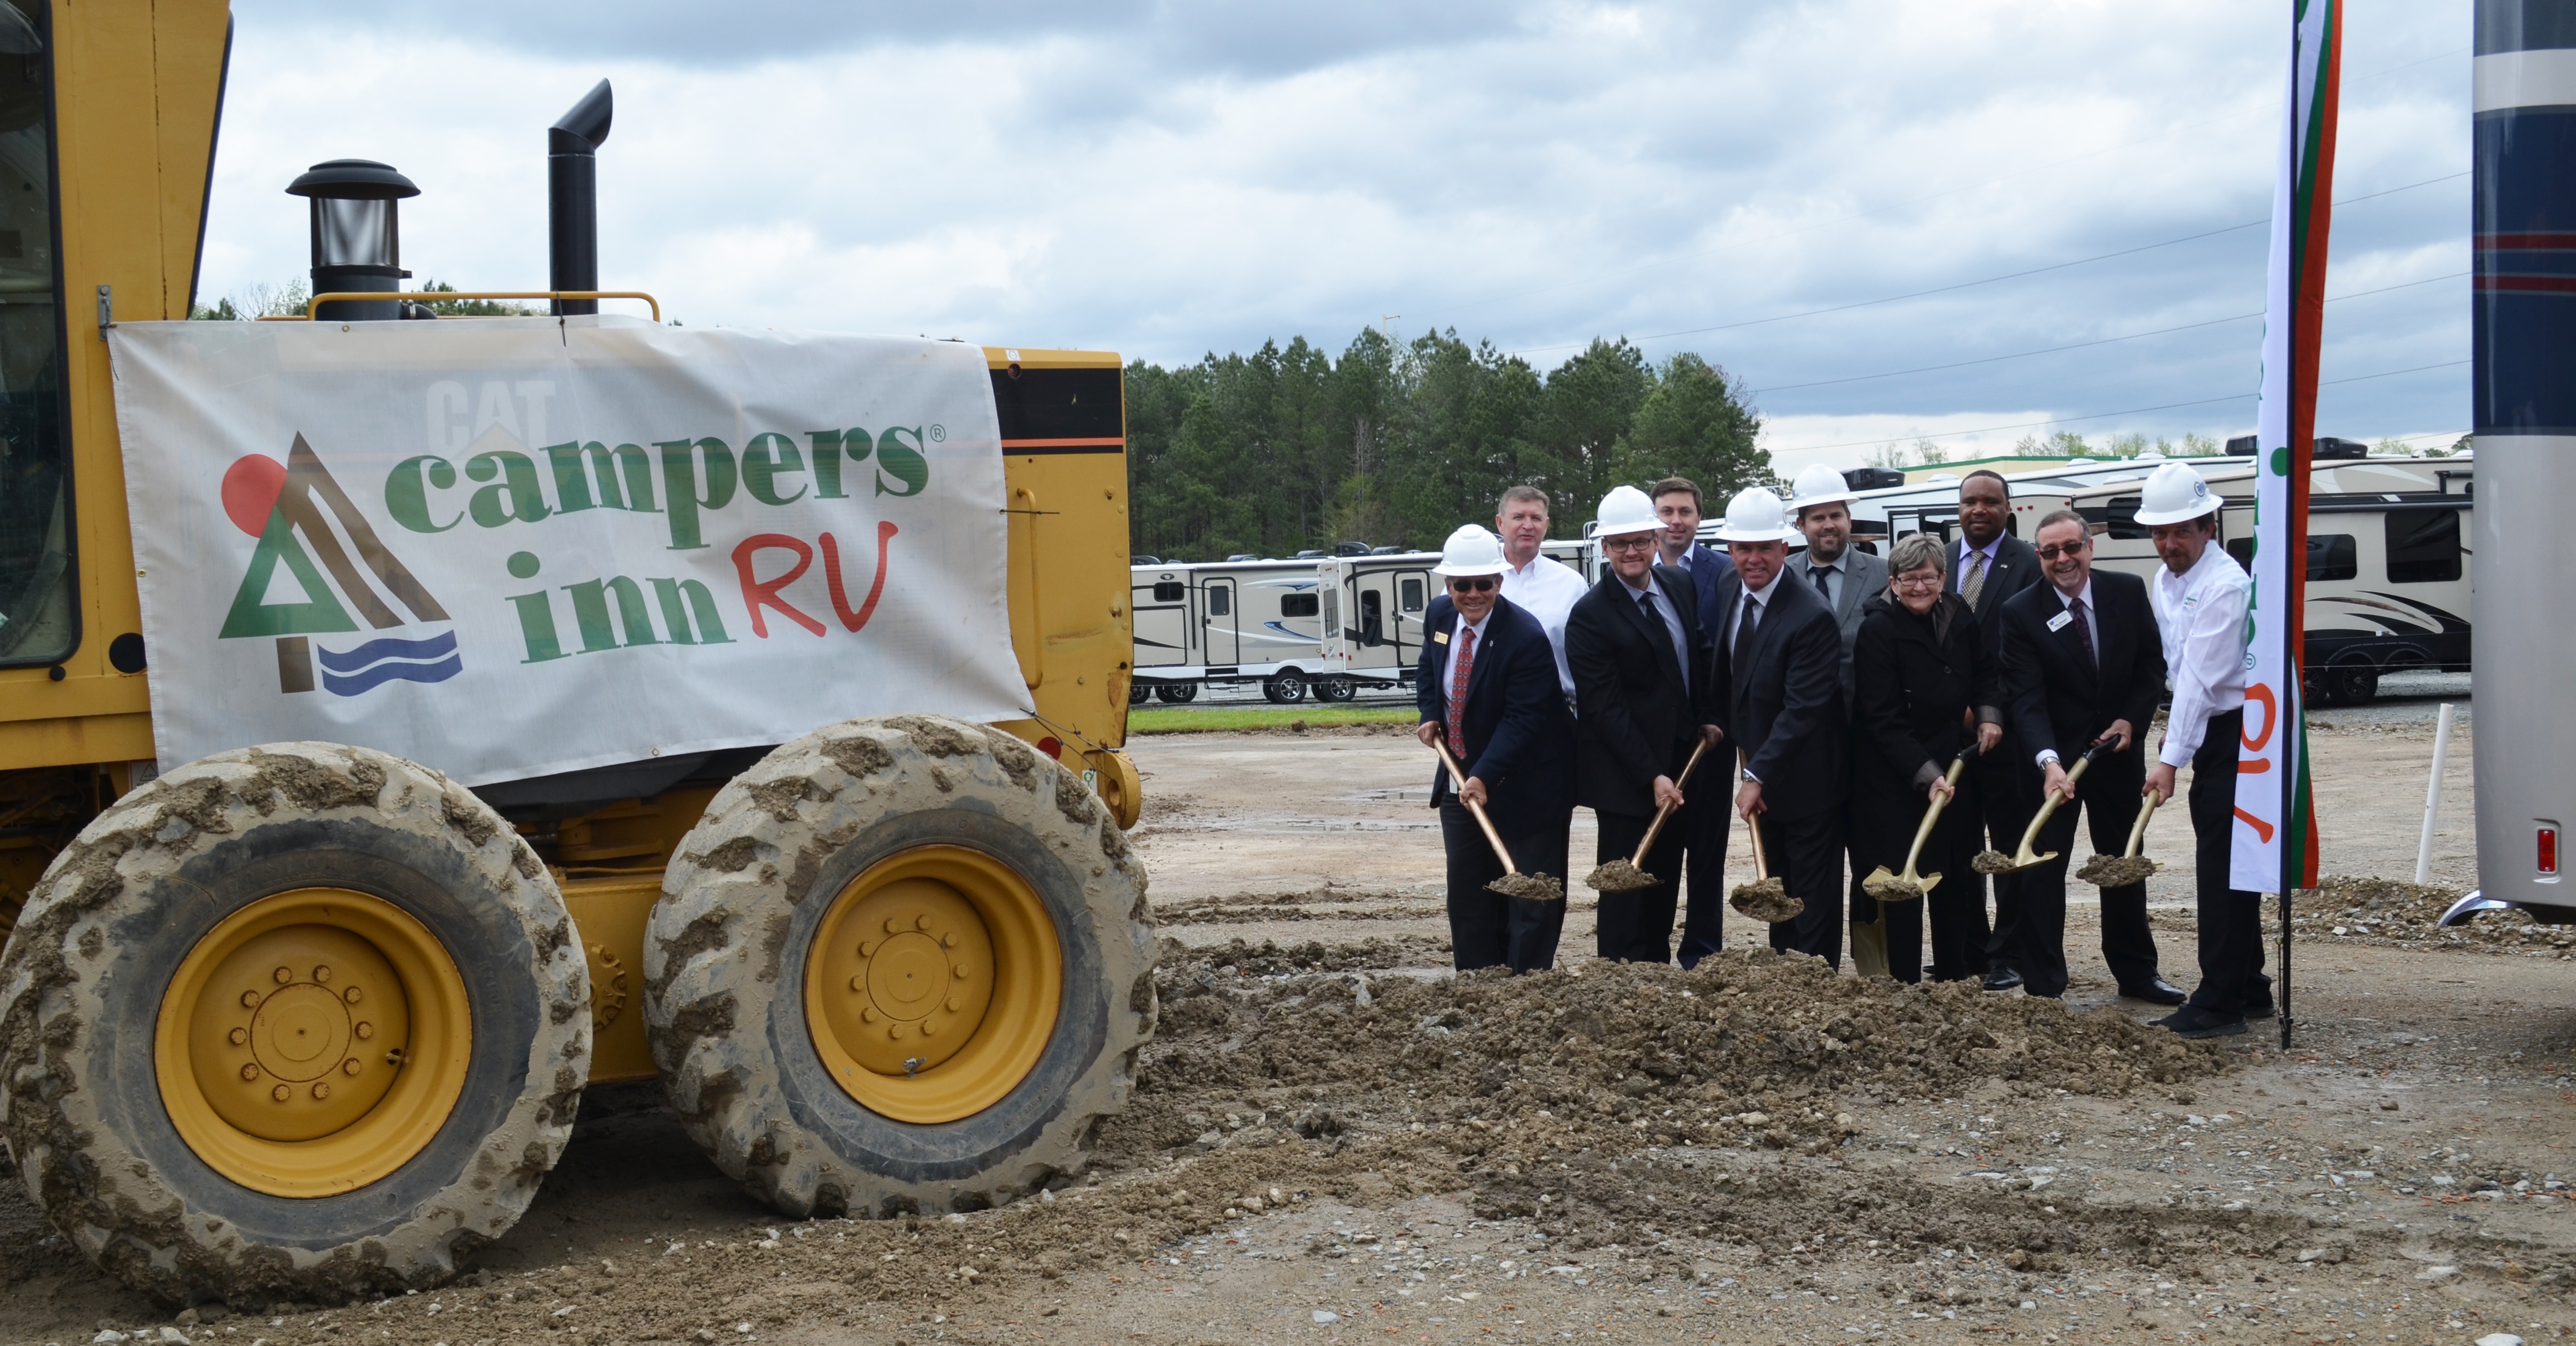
(1766,898)
(1996,862)
(1624,876)
(1513,883)
(2128,867)
(1906,887)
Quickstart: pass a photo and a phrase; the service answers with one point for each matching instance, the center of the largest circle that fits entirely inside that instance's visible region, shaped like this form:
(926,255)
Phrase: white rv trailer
(1228,622)
(2388,554)
(1374,606)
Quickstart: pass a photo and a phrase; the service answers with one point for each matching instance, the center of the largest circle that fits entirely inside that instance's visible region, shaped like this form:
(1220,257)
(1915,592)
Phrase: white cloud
(1169,180)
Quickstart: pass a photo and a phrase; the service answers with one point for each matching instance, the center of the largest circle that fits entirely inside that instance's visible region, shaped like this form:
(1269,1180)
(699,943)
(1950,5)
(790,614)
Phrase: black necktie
(2084,632)
(1744,634)
(1818,574)
(1655,623)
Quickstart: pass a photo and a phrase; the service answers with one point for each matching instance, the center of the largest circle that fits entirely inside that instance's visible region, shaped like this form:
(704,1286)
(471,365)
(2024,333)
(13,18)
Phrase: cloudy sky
(1170,179)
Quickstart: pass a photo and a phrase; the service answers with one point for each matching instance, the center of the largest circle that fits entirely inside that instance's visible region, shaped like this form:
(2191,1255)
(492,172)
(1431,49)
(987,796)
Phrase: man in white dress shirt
(2200,601)
(1546,587)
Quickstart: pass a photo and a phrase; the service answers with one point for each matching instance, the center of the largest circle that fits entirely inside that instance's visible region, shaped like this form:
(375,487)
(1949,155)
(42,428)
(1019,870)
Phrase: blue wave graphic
(436,646)
(389,672)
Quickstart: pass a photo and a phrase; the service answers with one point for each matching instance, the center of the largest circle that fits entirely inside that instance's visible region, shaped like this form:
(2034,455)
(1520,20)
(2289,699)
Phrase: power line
(2080,345)
(2106,415)
(1990,280)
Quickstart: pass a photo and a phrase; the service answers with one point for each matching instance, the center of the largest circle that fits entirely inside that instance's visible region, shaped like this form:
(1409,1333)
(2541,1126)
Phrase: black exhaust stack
(572,198)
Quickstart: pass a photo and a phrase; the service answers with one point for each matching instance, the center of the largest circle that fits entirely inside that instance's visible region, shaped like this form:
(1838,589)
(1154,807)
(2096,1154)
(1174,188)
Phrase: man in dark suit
(1988,565)
(1779,654)
(1642,701)
(1677,506)
(2083,665)
(1487,687)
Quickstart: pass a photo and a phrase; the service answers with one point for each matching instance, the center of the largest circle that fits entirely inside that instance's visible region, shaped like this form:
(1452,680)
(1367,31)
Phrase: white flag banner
(513,547)
(2274,847)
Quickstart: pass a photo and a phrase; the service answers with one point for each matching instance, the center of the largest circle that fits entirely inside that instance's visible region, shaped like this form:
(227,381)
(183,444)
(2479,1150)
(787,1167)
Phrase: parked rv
(1229,622)
(2388,557)
(1373,608)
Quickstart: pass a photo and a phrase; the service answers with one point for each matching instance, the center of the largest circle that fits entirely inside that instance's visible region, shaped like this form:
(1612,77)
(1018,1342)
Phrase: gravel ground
(1333,1140)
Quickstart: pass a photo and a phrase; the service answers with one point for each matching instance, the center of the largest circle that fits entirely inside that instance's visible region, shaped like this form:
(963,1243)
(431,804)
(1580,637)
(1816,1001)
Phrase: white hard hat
(1756,515)
(1472,550)
(1820,485)
(2174,493)
(1625,510)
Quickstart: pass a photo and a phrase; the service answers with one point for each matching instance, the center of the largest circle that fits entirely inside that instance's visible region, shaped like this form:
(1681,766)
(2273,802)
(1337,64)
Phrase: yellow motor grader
(307,967)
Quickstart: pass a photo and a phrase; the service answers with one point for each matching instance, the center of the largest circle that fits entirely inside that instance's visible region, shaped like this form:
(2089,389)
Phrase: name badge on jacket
(2058,622)
(1439,637)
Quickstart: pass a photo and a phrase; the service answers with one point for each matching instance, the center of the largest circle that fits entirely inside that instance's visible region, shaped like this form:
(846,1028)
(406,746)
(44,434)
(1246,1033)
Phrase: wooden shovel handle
(1958,768)
(1458,781)
(2138,829)
(1753,829)
(1657,826)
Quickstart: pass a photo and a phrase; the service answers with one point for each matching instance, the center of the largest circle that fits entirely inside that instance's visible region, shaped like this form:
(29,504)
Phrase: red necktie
(1458,691)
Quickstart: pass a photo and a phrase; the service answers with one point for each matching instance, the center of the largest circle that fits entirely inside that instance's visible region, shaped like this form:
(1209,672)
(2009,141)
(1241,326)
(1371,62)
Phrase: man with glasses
(2083,667)
(1677,506)
(1642,700)
(1486,686)
(1987,566)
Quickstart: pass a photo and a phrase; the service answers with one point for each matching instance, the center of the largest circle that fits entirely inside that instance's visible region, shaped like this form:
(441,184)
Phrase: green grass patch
(1237,719)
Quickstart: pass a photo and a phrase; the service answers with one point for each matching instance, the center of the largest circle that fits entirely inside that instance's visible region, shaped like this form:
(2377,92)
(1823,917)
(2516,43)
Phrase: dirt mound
(1239,958)
(1663,1054)
(2404,915)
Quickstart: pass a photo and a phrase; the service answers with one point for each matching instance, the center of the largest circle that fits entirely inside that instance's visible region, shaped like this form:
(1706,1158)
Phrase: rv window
(1332,613)
(1297,605)
(2332,556)
(1412,587)
(1372,617)
(1168,591)
(1220,601)
(2243,550)
(2423,545)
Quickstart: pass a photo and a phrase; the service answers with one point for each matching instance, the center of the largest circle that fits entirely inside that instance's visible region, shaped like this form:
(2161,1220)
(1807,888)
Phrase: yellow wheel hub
(312,1042)
(933,984)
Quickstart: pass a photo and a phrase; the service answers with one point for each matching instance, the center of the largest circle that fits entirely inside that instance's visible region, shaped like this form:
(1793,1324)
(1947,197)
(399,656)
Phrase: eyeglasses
(2070,549)
(1481,585)
(1919,583)
(1640,542)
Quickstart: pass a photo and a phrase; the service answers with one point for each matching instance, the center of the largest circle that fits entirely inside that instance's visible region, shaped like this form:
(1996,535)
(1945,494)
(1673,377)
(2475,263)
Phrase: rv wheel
(1288,687)
(1177,692)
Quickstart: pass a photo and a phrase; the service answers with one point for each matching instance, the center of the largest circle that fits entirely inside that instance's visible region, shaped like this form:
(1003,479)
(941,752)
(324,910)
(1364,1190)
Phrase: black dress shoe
(2156,991)
(2263,1009)
(2193,1022)
(2002,979)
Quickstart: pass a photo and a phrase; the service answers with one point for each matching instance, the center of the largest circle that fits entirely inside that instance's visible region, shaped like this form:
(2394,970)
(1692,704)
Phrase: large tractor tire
(298,1022)
(903,965)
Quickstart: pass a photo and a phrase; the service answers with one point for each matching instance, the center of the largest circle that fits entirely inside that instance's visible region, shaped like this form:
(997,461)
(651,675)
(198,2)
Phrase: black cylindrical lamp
(572,198)
(357,244)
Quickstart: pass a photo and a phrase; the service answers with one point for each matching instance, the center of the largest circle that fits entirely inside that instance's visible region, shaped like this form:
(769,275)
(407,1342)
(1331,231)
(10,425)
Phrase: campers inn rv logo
(290,509)
(283,506)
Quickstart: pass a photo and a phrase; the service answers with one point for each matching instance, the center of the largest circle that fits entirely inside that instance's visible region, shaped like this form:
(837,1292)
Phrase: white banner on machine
(513,547)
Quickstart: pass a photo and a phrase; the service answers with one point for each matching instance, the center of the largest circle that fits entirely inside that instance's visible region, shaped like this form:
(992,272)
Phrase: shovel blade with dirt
(1996,862)
(1766,898)
(1629,875)
(1513,883)
(2128,867)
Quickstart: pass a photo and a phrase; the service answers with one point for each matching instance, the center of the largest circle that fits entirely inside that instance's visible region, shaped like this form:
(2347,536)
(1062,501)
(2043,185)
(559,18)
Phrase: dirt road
(1332,1140)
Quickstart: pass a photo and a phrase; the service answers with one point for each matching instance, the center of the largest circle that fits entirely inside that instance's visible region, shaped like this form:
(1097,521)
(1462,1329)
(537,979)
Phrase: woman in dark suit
(1921,690)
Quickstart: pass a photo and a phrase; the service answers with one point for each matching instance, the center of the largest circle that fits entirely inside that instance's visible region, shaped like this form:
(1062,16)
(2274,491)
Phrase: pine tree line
(1289,448)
